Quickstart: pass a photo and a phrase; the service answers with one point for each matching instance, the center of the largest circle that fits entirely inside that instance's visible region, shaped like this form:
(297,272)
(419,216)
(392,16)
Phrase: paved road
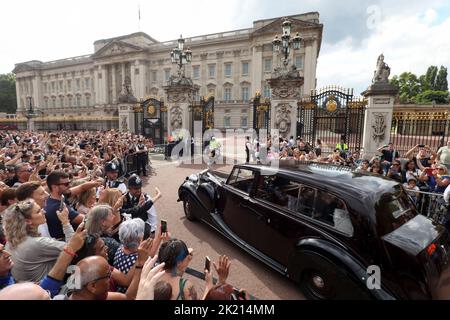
(246,272)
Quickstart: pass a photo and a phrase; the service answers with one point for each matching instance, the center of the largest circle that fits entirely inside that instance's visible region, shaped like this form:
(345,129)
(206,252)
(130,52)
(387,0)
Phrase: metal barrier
(158,149)
(431,205)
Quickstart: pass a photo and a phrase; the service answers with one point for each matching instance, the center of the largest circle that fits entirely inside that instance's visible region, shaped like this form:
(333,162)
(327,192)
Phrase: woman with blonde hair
(86,201)
(33,255)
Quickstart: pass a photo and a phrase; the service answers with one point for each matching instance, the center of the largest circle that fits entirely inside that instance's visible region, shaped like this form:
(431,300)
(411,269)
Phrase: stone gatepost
(180,93)
(127,101)
(378,116)
(127,118)
(285,88)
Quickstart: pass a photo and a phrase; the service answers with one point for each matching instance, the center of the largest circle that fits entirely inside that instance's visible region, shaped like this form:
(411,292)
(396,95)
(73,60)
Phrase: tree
(8,100)
(441,79)
(430,78)
(409,86)
(429,96)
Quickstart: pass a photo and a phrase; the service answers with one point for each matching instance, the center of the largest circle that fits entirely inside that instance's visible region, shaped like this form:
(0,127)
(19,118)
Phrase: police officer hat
(135,181)
(111,167)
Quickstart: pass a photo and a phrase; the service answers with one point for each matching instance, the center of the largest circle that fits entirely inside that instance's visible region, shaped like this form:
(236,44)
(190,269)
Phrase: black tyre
(322,279)
(188,206)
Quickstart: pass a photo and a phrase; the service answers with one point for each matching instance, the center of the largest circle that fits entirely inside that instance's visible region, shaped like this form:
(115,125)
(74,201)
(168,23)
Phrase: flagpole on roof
(139,15)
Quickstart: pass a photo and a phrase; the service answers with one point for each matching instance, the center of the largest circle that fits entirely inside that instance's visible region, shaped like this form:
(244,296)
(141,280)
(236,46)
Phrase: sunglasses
(108,276)
(64,184)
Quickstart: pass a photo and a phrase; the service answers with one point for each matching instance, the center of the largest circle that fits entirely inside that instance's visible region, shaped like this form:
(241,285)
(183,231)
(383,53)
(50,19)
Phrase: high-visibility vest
(339,146)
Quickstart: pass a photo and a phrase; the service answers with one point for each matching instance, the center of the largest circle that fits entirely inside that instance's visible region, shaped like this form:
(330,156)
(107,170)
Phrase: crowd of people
(419,169)
(69,203)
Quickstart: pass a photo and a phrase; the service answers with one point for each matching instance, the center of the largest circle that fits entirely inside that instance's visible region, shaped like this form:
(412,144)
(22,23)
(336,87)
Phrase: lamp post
(284,44)
(181,56)
(29,114)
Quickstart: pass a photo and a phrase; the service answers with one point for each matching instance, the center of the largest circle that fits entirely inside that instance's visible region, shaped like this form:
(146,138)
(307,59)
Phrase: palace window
(154,76)
(268,65)
(227,94)
(196,72)
(245,68)
(167,74)
(245,93)
(266,93)
(87,83)
(227,122)
(298,62)
(243,122)
(212,70)
(227,69)
(88,101)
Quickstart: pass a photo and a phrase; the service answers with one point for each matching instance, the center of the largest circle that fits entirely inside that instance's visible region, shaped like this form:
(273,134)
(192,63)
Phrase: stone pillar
(36,83)
(285,95)
(113,84)
(257,68)
(30,124)
(180,93)
(126,118)
(378,117)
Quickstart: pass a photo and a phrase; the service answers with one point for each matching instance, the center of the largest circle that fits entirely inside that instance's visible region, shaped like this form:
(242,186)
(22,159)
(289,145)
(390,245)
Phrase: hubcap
(318,282)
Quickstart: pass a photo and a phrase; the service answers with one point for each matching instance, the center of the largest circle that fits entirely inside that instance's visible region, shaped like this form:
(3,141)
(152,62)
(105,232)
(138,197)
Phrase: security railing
(431,205)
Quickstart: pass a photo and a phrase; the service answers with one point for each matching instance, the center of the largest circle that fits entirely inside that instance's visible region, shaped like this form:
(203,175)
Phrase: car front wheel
(188,208)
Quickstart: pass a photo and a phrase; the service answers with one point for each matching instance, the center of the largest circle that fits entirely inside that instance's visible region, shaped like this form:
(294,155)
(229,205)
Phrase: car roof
(336,177)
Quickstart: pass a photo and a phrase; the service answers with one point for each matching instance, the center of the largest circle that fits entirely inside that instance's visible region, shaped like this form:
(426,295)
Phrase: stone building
(82,92)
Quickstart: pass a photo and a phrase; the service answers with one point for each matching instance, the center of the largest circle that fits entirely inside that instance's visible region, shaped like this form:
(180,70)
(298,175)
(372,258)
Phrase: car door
(237,213)
(276,199)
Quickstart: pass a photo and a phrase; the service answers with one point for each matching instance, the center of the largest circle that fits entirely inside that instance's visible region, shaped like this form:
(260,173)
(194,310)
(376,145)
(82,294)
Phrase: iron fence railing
(431,205)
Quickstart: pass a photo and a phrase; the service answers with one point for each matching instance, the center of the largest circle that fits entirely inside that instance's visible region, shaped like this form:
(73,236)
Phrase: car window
(393,210)
(306,200)
(332,211)
(278,190)
(242,179)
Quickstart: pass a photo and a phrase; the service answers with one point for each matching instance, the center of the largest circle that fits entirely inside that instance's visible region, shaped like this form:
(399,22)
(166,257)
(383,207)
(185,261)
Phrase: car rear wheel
(188,208)
(324,280)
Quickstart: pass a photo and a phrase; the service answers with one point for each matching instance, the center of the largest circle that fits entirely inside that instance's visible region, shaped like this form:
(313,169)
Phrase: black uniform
(141,159)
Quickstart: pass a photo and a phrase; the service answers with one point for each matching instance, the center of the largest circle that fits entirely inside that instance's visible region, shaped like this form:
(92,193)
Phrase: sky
(411,34)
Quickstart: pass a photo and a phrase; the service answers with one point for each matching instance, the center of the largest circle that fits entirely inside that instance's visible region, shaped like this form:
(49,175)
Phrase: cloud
(409,43)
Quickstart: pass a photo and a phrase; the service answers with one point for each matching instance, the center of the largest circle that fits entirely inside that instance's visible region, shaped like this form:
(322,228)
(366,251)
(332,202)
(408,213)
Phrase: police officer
(112,177)
(139,204)
(141,157)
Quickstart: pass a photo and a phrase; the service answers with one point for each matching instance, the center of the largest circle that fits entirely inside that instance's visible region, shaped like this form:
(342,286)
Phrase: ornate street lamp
(181,56)
(284,45)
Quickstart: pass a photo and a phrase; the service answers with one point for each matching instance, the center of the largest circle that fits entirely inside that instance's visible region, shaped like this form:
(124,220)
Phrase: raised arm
(410,152)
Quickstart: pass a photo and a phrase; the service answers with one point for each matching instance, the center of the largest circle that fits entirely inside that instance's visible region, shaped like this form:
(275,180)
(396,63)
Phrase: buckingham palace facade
(82,92)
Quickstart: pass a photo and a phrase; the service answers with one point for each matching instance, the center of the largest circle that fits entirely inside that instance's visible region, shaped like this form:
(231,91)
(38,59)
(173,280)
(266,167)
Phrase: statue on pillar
(381,74)
(126,96)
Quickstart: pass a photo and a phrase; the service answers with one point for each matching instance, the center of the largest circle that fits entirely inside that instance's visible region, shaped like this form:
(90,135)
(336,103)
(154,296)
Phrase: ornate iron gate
(151,120)
(261,114)
(331,114)
(204,112)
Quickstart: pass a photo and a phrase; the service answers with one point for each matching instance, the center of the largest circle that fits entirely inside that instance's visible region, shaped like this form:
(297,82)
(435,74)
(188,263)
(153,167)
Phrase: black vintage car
(327,228)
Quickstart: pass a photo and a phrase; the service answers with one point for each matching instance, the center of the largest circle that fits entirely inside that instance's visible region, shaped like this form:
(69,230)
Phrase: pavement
(246,272)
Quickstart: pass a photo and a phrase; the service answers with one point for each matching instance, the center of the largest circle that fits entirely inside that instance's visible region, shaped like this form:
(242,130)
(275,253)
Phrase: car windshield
(393,210)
